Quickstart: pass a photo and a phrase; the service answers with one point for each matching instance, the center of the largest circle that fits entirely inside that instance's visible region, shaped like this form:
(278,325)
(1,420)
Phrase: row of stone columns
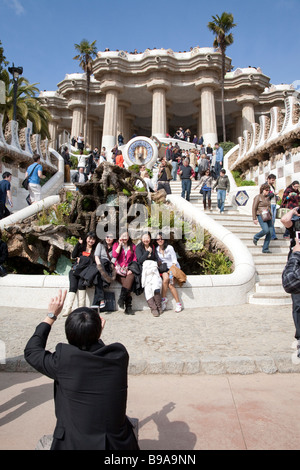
(115,117)
(116,120)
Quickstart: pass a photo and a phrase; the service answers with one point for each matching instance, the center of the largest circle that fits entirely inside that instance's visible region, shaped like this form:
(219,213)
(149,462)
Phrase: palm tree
(87,52)
(221,26)
(28,105)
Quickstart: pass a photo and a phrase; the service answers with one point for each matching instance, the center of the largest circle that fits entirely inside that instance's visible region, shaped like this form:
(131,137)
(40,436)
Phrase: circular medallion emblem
(141,151)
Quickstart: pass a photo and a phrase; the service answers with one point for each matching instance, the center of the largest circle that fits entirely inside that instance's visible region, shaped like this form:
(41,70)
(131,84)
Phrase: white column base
(210,138)
(108,141)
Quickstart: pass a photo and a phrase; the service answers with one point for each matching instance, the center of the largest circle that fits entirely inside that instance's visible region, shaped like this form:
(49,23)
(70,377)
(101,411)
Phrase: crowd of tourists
(149,267)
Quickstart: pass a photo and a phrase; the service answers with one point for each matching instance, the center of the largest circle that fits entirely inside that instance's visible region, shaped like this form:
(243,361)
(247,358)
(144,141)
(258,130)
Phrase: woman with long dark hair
(124,253)
(167,255)
(146,256)
(261,213)
(83,251)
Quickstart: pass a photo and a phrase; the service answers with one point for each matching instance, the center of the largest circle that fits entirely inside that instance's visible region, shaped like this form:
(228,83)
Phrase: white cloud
(16,5)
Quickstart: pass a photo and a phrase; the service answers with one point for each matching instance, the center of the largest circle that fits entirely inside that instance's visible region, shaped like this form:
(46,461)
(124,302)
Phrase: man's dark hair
(271,176)
(35,157)
(83,328)
(6,174)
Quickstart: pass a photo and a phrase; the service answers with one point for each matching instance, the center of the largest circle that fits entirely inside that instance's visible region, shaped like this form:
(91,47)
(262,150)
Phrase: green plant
(226,146)
(241,182)
(43,218)
(4,236)
(137,188)
(71,240)
(126,192)
(216,263)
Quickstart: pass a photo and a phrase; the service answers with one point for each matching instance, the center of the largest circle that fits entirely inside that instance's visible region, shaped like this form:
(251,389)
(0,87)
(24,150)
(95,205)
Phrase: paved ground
(200,379)
(191,412)
(236,339)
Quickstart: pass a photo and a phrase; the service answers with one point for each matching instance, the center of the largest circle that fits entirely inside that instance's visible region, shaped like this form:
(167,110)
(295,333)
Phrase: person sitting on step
(124,253)
(82,253)
(167,255)
(145,253)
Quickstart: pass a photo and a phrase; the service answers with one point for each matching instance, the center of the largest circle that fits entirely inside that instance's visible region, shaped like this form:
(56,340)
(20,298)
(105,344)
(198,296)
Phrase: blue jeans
(266,231)
(174,170)
(273,210)
(218,168)
(221,196)
(208,194)
(186,186)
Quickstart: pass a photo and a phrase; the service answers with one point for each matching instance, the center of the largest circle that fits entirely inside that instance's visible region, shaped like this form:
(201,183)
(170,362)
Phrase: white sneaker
(164,302)
(178,307)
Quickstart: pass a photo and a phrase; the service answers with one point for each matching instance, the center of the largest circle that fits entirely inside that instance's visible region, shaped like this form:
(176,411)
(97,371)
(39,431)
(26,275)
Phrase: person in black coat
(90,382)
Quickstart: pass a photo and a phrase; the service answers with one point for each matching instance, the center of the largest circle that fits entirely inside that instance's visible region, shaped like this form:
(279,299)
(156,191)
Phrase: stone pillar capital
(72,104)
(207,82)
(124,104)
(160,83)
(111,85)
(249,98)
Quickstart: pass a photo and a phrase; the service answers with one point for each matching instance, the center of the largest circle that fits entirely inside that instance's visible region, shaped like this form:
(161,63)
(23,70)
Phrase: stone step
(270,299)
(271,274)
(268,287)
(278,250)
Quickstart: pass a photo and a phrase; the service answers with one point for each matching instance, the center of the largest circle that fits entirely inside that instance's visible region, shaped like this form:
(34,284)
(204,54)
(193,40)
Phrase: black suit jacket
(90,393)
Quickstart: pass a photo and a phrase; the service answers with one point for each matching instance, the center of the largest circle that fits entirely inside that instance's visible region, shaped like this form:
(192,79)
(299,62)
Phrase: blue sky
(40,34)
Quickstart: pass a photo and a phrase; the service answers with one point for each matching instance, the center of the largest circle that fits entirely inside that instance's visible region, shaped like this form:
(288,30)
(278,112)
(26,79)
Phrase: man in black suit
(90,382)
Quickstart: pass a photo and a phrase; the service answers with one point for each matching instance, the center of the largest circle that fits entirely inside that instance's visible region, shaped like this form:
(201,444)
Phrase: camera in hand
(298,210)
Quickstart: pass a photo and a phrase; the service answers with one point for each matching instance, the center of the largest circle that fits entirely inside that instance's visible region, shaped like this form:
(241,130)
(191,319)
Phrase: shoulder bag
(25,182)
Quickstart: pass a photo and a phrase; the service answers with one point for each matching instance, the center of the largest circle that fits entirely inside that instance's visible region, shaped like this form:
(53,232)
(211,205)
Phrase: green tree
(86,54)
(28,105)
(3,60)
(221,27)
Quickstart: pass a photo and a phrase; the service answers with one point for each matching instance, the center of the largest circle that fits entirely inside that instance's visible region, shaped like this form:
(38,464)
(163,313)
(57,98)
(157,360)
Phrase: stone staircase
(269,267)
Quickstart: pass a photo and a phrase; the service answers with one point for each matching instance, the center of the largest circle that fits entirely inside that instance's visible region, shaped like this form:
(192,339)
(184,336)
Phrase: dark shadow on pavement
(28,399)
(172,435)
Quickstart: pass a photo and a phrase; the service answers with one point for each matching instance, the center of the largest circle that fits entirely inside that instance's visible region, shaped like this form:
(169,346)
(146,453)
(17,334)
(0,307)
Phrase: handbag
(25,182)
(110,301)
(121,270)
(266,215)
(163,268)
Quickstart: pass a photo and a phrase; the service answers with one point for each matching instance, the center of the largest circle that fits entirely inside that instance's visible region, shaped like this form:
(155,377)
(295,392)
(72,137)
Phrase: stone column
(111,89)
(198,118)
(121,121)
(77,121)
(128,127)
(159,111)
(207,85)
(90,134)
(248,115)
(53,130)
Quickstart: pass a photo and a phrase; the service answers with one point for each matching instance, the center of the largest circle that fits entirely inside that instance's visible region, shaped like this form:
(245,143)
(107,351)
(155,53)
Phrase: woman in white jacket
(167,255)
(151,281)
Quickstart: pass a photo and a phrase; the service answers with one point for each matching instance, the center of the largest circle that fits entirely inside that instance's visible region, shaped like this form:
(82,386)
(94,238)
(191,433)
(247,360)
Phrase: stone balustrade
(16,150)
(271,132)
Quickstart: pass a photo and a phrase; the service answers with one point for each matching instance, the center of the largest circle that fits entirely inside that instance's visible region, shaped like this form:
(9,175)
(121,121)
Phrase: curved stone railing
(204,291)
(228,289)
(16,151)
(24,144)
(29,211)
(270,132)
